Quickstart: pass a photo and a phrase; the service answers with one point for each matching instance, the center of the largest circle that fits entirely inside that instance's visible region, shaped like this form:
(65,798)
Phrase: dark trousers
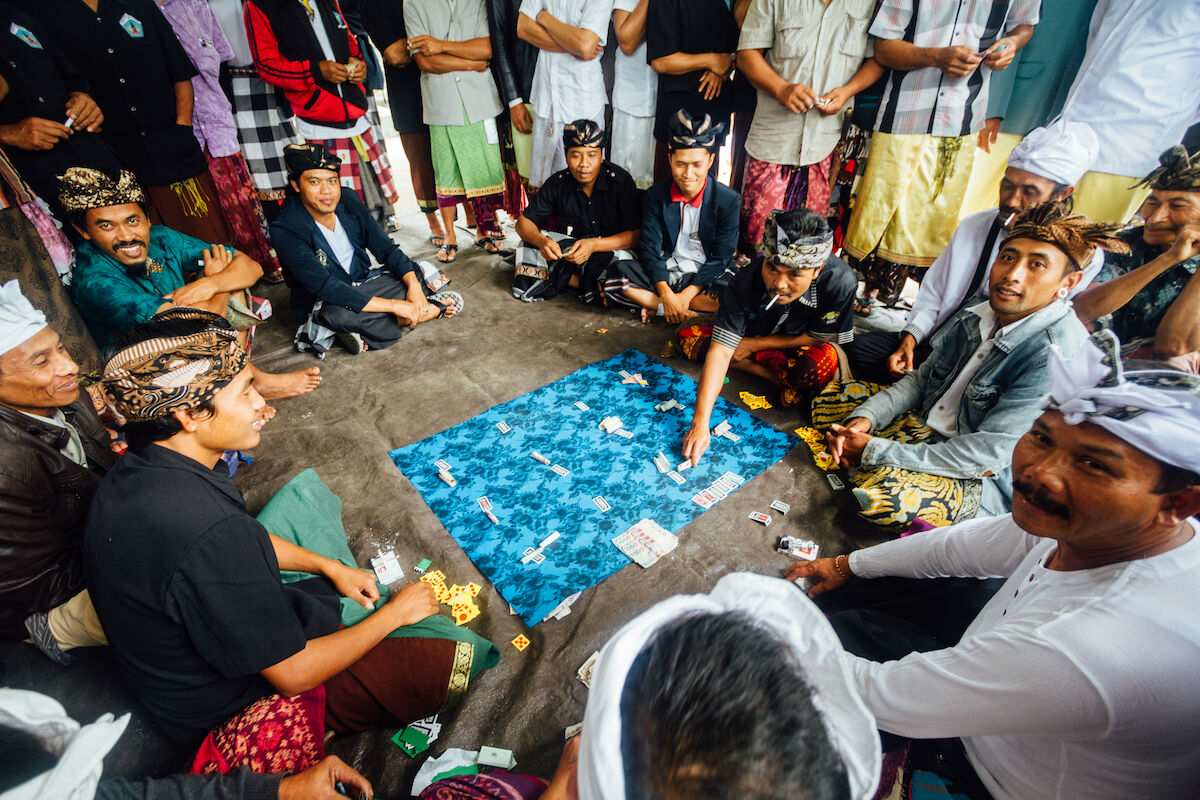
(869,353)
(378,329)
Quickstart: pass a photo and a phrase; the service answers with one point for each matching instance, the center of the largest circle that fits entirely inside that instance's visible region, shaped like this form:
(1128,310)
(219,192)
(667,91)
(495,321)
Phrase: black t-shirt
(693,26)
(40,79)
(614,207)
(825,312)
(133,60)
(187,587)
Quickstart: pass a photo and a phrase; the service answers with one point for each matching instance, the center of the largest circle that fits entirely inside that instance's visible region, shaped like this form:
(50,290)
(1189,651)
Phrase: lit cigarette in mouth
(773,299)
(1011,217)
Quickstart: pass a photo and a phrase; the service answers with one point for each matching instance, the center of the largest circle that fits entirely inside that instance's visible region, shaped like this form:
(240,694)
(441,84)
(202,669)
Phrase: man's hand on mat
(319,782)
(413,603)
(696,441)
(847,442)
(900,363)
(957,61)
(581,251)
(357,584)
(550,250)
(822,575)
(334,72)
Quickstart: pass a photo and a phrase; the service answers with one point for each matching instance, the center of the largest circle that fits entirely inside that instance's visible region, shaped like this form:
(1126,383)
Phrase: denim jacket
(998,406)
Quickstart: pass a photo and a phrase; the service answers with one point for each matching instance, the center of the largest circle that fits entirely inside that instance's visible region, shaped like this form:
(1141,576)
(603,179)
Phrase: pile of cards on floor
(646,542)
(718,491)
(461,599)
(754,400)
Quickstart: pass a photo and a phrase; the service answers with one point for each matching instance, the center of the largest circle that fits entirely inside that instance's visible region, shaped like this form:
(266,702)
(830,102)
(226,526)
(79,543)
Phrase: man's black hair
(141,433)
(717,708)
(22,756)
(802,223)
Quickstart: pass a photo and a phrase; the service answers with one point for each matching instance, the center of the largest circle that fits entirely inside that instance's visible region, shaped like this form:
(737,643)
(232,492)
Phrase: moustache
(1041,498)
(130,243)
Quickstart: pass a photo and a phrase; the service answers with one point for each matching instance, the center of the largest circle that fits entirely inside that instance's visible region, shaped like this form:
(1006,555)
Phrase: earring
(1063,293)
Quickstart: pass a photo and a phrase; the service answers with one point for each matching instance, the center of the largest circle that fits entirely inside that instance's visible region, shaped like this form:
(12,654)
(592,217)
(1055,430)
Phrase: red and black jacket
(287,54)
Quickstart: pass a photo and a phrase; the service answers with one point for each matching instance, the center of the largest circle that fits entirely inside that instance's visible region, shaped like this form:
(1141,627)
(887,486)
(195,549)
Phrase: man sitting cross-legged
(1076,676)
(53,453)
(943,435)
(188,587)
(776,321)
(689,232)
(128,270)
(326,239)
(1150,298)
(583,219)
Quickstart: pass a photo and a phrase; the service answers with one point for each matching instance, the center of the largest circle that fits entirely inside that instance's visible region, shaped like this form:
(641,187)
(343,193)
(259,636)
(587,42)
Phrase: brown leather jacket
(44,497)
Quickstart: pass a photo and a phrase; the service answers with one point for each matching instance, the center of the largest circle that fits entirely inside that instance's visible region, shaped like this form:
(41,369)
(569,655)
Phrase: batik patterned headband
(808,252)
(154,378)
(302,157)
(82,188)
(582,133)
(687,132)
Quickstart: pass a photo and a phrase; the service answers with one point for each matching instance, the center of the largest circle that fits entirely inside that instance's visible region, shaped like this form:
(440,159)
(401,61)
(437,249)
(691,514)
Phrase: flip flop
(863,306)
(448,301)
(450,250)
(486,243)
(437,241)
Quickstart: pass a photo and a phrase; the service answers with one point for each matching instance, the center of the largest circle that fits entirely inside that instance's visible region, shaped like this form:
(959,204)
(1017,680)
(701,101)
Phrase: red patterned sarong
(270,736)
(372,152)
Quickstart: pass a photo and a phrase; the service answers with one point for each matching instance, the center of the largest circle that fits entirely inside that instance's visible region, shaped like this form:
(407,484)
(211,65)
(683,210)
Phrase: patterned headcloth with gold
(181,369)
(687,132)
(1176,172)
(804,252)
(582,133)
(82,188)
(1074,234)
(302,157)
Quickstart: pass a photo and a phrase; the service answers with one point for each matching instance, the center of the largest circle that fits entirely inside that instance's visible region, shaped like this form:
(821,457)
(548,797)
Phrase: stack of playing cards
(684,465)
(416,738)
(461,599)
(667,405)
(798,548)
(485,506)
(387,567)
(444,472)
(660,461)
(535,554)
(781,506)
(758,516)
(584,672)
(719,490)
(610,424)
(496,757)
(725,430)
(562,609)
(636,378)
(646,542)
(624,434)
(624,374)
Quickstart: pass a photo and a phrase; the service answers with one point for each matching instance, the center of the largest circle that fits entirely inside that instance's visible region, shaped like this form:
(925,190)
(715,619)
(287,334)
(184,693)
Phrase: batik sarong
(514,185)
(890,496)
(769,187)
(535,279)
(264,129)
(801,372)
(468,167)
(243,211)
(272,735)
(907,206)
(498,785)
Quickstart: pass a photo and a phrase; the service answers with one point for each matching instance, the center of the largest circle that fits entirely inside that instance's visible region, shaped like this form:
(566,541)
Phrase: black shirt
(187,587)
(693,26)
(825,312)
(384,20)
(614,207)
(131,56)
(40,79)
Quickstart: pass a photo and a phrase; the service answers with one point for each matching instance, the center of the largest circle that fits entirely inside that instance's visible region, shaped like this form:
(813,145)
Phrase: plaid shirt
(927,100)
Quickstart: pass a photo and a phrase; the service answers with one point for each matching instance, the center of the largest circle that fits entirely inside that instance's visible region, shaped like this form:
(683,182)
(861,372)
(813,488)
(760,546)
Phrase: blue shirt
(113,298)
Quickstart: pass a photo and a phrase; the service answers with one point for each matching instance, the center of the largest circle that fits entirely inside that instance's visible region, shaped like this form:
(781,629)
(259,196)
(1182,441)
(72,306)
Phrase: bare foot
(276,385)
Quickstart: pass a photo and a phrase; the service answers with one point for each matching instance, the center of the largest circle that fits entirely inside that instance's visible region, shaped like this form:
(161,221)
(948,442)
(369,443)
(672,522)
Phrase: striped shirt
(926,100)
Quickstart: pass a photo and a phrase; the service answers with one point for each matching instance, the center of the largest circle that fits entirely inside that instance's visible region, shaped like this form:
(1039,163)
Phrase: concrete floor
(441,374)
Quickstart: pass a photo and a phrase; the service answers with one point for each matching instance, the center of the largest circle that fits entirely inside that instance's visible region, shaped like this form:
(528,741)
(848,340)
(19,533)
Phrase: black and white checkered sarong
(264,128)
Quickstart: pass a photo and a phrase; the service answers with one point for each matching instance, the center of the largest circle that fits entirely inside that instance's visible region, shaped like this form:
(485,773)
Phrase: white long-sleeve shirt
(1076,684)
(1137,85)
(947,284)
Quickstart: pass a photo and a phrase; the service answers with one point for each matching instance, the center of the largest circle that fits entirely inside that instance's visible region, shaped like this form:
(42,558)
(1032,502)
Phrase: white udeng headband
(803,627)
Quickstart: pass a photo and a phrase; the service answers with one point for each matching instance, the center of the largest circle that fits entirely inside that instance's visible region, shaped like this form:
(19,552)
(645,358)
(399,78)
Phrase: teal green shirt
(113,298)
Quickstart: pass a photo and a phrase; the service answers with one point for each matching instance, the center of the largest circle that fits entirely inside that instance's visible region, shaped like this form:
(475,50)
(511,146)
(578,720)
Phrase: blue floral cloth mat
(531,501)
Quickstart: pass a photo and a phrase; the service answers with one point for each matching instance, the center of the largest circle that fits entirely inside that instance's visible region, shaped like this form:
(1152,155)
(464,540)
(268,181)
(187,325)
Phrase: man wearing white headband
(779,321)
(1043,167)
(1078,675)
(53,453)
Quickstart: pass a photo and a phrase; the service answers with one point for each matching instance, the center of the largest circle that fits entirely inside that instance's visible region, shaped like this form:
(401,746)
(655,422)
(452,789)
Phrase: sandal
(447,250)
(449,301)
(437,241)
(863,306)
(488,243)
